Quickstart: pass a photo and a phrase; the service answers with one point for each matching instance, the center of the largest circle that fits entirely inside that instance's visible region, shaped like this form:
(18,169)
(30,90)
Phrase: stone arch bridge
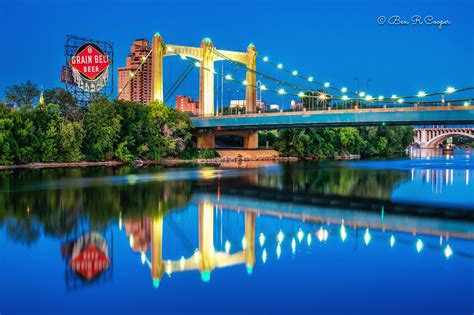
(432,137)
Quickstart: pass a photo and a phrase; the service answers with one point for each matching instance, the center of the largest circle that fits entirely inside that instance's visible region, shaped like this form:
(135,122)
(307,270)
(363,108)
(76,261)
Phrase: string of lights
(304,92)
(361,94)
(262,87)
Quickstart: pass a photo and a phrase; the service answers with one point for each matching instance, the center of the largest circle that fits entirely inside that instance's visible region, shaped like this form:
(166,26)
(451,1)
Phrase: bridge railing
(339,108)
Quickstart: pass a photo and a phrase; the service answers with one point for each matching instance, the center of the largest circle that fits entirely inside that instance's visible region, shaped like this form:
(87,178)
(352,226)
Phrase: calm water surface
(365,237)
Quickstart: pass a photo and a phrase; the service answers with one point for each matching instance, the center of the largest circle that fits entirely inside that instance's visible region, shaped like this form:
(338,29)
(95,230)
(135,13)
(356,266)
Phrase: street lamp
(259,86)
(367,84)
(358,88)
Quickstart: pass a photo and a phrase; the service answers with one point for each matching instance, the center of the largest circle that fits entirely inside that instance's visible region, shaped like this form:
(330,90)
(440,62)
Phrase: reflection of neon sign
(90,262)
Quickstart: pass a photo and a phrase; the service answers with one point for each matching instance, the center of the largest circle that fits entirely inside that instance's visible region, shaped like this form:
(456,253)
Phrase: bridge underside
(207,139)
(339,118)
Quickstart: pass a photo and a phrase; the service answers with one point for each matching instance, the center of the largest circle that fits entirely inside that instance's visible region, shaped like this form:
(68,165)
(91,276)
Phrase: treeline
(53,128)
(328,143)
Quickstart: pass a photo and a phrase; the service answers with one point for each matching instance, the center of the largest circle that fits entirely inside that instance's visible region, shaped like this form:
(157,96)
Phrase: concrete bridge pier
(207,139)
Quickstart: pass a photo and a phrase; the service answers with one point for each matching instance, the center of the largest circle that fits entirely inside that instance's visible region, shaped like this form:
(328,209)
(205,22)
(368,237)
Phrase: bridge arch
(436,141)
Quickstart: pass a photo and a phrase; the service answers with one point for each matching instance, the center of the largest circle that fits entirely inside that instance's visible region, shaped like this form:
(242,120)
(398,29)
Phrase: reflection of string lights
(309,238)
(227,246)
(280,237)
(278,251)
(168,268)
(261,239)
(392,240)
(419,245)
(293,245)
(143,257)
(181,262)
(300,235)
(322,234)
(343,232)
(244,243)
(448,251)
(264,256)
(367,237)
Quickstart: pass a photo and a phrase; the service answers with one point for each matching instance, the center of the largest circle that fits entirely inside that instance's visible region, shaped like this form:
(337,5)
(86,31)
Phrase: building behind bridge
(139,88)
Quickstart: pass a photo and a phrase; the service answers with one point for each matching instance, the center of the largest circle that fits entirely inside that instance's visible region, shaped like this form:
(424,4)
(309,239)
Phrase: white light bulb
(450,90)
(265,58)
(310,79)
(280,66)
(344,90)
(326,84)
(293,245)
(294,72)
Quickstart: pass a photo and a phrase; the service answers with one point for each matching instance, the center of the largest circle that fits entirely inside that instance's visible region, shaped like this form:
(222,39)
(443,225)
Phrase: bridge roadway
(340,118)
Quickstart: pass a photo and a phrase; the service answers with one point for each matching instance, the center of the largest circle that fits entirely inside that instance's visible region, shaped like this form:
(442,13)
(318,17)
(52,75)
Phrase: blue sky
(333,40)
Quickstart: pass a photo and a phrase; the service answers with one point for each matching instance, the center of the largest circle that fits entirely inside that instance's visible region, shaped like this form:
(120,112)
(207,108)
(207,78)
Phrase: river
(364,237)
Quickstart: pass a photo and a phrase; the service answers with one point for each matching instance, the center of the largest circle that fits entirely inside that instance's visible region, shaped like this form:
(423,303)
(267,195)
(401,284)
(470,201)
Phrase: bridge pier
(207,140)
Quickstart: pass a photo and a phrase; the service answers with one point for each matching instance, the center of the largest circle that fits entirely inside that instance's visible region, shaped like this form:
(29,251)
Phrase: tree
(22,95)
(71,136)
(8,145)
(66,101)
(46,121)
(102,126)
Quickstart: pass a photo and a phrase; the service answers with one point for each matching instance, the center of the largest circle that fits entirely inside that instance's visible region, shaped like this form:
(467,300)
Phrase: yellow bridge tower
(207,54)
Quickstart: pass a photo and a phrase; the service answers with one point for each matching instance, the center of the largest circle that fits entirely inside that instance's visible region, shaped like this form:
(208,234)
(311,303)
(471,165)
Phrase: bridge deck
(340,118)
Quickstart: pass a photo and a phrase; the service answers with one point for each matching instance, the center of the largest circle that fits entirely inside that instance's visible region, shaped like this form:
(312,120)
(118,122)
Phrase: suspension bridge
(324,104)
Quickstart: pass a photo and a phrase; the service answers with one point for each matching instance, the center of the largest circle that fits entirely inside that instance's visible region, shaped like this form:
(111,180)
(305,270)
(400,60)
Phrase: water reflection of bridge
(206,257)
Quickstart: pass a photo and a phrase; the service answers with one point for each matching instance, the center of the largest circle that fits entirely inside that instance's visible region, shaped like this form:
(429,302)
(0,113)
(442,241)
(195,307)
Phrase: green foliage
(71,136)
(22,95)
(327,143)
(207,154)
(263,136)
(61,131)
(102,125)
(8,145)
(66,101)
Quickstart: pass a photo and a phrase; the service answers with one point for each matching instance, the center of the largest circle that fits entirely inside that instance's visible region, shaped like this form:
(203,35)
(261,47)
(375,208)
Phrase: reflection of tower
(157,267)
(206,239)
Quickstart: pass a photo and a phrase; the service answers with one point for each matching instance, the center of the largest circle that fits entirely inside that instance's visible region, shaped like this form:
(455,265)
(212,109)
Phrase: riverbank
(230,158)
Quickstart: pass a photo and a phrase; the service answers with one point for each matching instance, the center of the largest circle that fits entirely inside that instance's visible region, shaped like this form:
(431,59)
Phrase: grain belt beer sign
(90,68)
